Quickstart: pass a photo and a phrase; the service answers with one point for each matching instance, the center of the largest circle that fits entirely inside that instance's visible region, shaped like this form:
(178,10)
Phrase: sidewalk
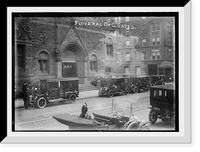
(19,103)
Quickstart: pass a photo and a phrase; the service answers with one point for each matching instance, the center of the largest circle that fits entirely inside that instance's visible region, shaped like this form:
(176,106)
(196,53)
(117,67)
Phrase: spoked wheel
(136,90)
(153,116)
(41,102)
(100,93)
(110,93)
(72,98)
(127,91)
(148,88)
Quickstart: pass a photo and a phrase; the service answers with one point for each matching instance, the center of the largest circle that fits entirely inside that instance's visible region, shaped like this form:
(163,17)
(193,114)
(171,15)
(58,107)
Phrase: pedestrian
(84,113)
(26,95)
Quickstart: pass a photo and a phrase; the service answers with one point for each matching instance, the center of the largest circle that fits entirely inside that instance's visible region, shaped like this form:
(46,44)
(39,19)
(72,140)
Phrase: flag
(118,57)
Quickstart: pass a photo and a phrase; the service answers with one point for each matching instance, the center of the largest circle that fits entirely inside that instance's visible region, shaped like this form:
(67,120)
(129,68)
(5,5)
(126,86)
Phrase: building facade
(65,47)
(156,43)
(60,47)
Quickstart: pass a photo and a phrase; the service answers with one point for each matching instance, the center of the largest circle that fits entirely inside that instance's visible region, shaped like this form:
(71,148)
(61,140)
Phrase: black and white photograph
(96,73)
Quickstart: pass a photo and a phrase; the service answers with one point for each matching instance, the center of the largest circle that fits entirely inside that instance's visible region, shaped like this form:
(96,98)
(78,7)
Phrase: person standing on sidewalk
(26,95)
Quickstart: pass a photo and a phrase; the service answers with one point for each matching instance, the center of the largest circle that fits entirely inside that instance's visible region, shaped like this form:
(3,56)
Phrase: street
(41,119)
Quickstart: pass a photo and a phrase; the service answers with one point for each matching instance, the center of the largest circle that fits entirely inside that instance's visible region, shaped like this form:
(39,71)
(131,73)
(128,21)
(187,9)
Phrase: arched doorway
(73,62)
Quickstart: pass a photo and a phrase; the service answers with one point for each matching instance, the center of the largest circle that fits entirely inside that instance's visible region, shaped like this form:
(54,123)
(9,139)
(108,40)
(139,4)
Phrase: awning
(165,64)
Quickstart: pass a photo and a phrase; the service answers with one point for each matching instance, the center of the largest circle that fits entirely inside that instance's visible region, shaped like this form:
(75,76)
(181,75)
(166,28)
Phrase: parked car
(168,78)
(157,80)
(46,91)
(117,85)
(98,77)
(139,83)
(163,103)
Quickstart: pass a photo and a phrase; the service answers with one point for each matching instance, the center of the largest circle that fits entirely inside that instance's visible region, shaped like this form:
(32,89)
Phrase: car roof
(155,75)
(138,76)
(165,87)
(60,79)
(119,78)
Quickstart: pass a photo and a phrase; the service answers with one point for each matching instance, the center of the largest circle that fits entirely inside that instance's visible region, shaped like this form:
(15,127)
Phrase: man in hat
(26,95)
(84,114)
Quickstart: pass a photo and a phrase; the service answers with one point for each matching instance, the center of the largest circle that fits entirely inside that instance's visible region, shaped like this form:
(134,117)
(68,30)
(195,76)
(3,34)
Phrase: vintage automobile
(163,103)
(139,83)
(157,80)
(101,122)
(46,91)
(168,79)
(116,85)
(98,77)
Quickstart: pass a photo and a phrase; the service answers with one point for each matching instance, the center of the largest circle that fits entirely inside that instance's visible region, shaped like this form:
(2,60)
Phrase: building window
(169,54)
(93,63)
(153,41)
(127,43)
(156,27)
(127,58)
(126,69)
(127,19)
(144,55)
(155,55)
(156,41)
(21,57)
(169,41)
(44,63)
(143,28)
(138,70)
(117,19)
(109,51)
(144,41)
(109,48)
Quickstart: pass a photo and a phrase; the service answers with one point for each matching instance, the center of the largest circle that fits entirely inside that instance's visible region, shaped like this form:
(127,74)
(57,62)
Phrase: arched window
(109,48)
(44,62)
(93,63)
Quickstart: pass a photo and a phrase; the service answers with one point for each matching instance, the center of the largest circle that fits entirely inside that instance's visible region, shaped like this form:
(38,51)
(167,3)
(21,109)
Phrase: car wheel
(41,102)
(153,116)
(110,93)
(136,90)
(127,91)
(148,87)
(100,93)
(72,98)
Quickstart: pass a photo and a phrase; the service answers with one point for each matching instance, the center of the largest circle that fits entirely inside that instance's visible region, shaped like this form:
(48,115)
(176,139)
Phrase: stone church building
(54,47)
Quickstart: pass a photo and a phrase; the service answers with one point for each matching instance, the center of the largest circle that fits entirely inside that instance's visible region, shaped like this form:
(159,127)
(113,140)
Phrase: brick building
(156,44)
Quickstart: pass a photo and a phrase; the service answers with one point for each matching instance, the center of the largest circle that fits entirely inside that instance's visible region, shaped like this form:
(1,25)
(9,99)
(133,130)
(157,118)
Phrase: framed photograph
(99,75)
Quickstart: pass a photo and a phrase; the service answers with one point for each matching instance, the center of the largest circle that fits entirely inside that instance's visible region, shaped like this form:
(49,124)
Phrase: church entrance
(73,63)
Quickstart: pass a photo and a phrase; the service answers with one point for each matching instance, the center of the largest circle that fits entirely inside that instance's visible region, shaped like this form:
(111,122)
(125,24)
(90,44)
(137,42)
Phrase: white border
(183,136)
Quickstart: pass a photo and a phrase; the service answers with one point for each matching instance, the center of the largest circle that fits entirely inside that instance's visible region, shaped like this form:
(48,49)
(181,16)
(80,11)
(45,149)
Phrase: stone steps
(87,87)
